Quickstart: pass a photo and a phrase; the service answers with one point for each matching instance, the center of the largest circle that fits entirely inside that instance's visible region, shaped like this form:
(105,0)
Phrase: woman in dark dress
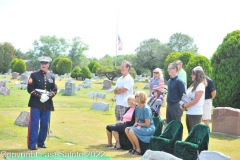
(128,119)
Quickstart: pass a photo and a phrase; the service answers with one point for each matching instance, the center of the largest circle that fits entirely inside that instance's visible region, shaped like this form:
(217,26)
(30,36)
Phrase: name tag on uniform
(50,80)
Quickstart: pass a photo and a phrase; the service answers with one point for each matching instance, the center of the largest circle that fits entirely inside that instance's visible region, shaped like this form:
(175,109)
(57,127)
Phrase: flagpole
(116,40)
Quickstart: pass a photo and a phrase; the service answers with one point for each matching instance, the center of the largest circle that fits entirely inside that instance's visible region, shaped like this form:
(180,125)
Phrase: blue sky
(95,21)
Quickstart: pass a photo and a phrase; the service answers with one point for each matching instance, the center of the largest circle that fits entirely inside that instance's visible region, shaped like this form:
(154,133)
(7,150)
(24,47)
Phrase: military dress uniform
(38,83)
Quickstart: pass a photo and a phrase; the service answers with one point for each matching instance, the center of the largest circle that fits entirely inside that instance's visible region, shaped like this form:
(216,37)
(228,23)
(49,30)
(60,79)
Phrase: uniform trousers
(37,127)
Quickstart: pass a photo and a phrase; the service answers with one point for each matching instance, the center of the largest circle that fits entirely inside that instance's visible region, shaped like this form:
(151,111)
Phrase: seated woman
(143,127)
(155,102)
(128,119)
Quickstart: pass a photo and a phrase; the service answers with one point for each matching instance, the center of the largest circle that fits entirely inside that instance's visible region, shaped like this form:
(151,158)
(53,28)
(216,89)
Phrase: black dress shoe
(33,148)
(43,146)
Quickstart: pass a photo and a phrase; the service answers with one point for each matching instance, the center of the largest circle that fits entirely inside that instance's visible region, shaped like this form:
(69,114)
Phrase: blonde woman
(194,108)
(157,82)
(143,127)
(128,119)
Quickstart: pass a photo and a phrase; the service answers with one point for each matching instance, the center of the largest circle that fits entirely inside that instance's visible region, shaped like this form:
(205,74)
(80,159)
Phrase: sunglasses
(155,72)
(136,96)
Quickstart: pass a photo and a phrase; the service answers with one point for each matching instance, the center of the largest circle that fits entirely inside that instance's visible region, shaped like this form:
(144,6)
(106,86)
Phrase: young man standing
(176,89)
(181,72)
(122,89)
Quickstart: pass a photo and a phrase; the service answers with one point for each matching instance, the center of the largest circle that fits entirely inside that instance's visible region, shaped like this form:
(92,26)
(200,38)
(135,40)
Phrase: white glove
(44,98)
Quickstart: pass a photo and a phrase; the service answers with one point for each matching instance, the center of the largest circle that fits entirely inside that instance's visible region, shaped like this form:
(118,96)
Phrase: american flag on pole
(120,45)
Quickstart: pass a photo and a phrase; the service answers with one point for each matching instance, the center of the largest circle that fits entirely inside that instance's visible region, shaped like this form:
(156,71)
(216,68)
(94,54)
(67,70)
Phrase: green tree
(91,64)
(150,54)
(86,73)
(64,65)
(179,42)
(96,67)
(50,46)
(54,65)
(107,60)
(76,72)
(76,52)
(19,54)
(171,58)
(109,71)
(19,66)
(225,63)
(185,57)
(7,53)
(13,62)
(198,60)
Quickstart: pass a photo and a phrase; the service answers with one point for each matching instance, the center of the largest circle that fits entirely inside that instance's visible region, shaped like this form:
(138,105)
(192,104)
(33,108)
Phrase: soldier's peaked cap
(45,59)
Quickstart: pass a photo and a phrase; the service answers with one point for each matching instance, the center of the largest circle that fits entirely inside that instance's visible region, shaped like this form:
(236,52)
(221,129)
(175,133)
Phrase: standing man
(210,93)
(176,89)
(42,88)
(181,72)
(122,89)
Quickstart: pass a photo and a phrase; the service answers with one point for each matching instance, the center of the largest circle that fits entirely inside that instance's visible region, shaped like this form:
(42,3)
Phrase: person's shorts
(207,107)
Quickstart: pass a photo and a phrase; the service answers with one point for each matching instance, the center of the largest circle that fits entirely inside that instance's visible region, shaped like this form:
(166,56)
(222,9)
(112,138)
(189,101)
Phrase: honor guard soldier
(42,88)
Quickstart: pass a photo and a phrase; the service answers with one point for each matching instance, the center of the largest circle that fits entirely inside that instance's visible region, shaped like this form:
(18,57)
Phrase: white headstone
(23,119)
(158,155)
(101,106)
(212,155)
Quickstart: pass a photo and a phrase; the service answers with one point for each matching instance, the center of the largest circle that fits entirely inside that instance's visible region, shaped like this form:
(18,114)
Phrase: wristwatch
(184,107)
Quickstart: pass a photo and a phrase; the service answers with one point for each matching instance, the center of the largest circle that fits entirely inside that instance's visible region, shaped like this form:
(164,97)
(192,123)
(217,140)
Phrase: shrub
(195,61)
(13,62)
(91,65)
(76,72)
(64,65)
(225,63)
(171,58)
(85,73)
(19,66)
(185,57)
(95,67)
(54,65)
(133,72)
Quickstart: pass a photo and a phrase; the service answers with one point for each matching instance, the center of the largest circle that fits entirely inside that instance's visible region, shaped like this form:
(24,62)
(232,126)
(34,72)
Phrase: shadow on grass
(223,136)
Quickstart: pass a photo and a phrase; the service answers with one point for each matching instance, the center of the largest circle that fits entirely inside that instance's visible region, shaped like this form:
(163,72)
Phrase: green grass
(74,122)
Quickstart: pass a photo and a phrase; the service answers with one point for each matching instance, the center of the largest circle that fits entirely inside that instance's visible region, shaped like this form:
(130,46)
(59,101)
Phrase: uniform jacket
(43,81)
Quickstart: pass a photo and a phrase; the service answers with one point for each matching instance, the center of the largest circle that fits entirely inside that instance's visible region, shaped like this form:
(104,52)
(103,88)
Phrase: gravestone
(96,95)
(87,83)
(101,106)
(78,88)
(14,75)
(24,86)
(2,84)
(24,77)
(4,91)
(226,120)
(9,71)
(17,86)
(4,77)
(23,119)
(146,86)
(62,91)
(69,88)
(107,84)
(158,155)
(212,155)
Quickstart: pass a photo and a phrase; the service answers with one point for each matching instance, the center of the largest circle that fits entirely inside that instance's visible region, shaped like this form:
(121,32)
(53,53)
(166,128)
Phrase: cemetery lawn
(74,123)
